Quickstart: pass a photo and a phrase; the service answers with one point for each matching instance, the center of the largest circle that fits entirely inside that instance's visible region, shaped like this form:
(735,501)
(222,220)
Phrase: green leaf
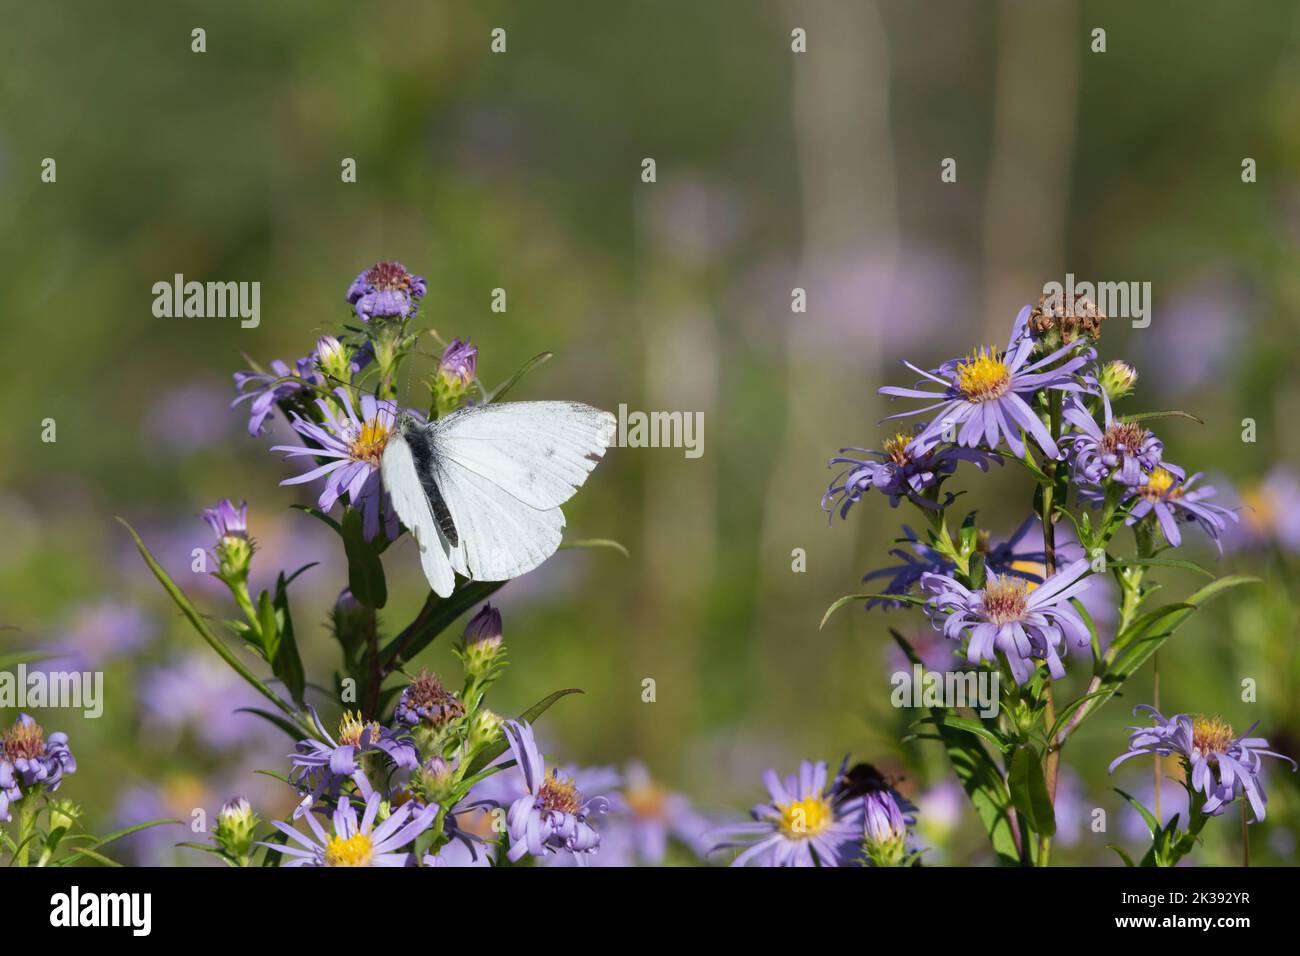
(365,570)
(436,616)
(965,724)
(594,543)
(1029,789)
(492,751)
(1163,563)
(286,663)
(851,598)
(98,842)
(10,661)
(1169,413)
(1153,825)
(1128,860)
(287,726)
(513,380)
(320,516)
(199,624)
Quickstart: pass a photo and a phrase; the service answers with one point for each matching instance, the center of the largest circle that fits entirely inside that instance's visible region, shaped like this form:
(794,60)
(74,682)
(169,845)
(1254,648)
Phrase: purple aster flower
(227,520)
(426,701)
(29,759)
(459,362)
(885,827)
(356,843)
(1011,616)
(354,448)
(644,818)
(265,389)
(1123,450)
(1171,499)
(321,766)
(384,290)
(983,397)
(903,471)
(1220,764)
(552,816)
(810,821)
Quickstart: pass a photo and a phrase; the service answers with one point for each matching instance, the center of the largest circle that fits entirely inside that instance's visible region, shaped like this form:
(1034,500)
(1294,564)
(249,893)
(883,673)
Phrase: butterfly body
(481,489)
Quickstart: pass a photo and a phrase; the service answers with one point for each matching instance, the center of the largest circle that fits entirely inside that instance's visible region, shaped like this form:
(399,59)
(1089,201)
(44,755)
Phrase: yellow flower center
(1005,599)
(1159,485)
(806,817)
(369,443)
(352,729)
(983,376)
(1211,735)
(23,741)
(648,802)
(559,793)
(896,448)
(1260,511)
(356,850)
(1030,567)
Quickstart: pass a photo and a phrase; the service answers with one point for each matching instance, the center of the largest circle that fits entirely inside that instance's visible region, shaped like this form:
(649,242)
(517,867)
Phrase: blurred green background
(521,170)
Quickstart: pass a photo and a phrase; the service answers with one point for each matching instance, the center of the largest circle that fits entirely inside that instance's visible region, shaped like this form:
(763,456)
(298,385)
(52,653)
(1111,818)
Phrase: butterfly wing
(407,493)
(537,452)
(504,470)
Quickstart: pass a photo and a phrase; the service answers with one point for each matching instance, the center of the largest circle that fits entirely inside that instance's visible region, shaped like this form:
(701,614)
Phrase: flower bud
(456,373)
(482,651)
(885,829)
(236,822)
(234,549)
(63,813)
(352,621)
(1118,379)
(333,359)
(484,728)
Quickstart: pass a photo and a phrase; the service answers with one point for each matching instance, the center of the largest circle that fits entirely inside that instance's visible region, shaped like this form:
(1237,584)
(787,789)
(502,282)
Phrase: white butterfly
(481,489)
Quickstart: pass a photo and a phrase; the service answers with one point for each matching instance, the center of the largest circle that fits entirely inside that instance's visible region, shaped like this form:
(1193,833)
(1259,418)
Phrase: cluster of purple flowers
(29,760)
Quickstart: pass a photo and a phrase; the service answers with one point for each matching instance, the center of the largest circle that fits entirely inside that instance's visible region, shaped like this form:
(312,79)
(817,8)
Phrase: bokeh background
(522,171)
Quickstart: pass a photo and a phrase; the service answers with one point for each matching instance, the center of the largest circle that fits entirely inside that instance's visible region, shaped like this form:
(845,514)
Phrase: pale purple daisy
(1270,512)
(903,471)
(321,766)
(1220,764)
(1171,498)
(1010,616)
(264,390)
(354,448)
(1122,450)
(356,843)
(29,759)
(227,520)
(644,818)
(551,817)
(386,290)
(810,821)
(982,398)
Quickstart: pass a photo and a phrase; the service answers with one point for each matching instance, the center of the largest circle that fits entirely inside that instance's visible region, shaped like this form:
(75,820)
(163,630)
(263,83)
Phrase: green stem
(26,818)
(1053,760)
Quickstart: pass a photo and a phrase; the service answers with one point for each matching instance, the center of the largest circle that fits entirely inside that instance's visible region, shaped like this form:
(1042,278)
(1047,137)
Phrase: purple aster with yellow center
(322,765)
(984,399)
(1121,450)
(902,470)
(29,759)
(265,390)
(386,290)
(810,820)
(1013,617)
(1220,764)
(1171,499)
(356,842)
(551,817)
(352,446)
